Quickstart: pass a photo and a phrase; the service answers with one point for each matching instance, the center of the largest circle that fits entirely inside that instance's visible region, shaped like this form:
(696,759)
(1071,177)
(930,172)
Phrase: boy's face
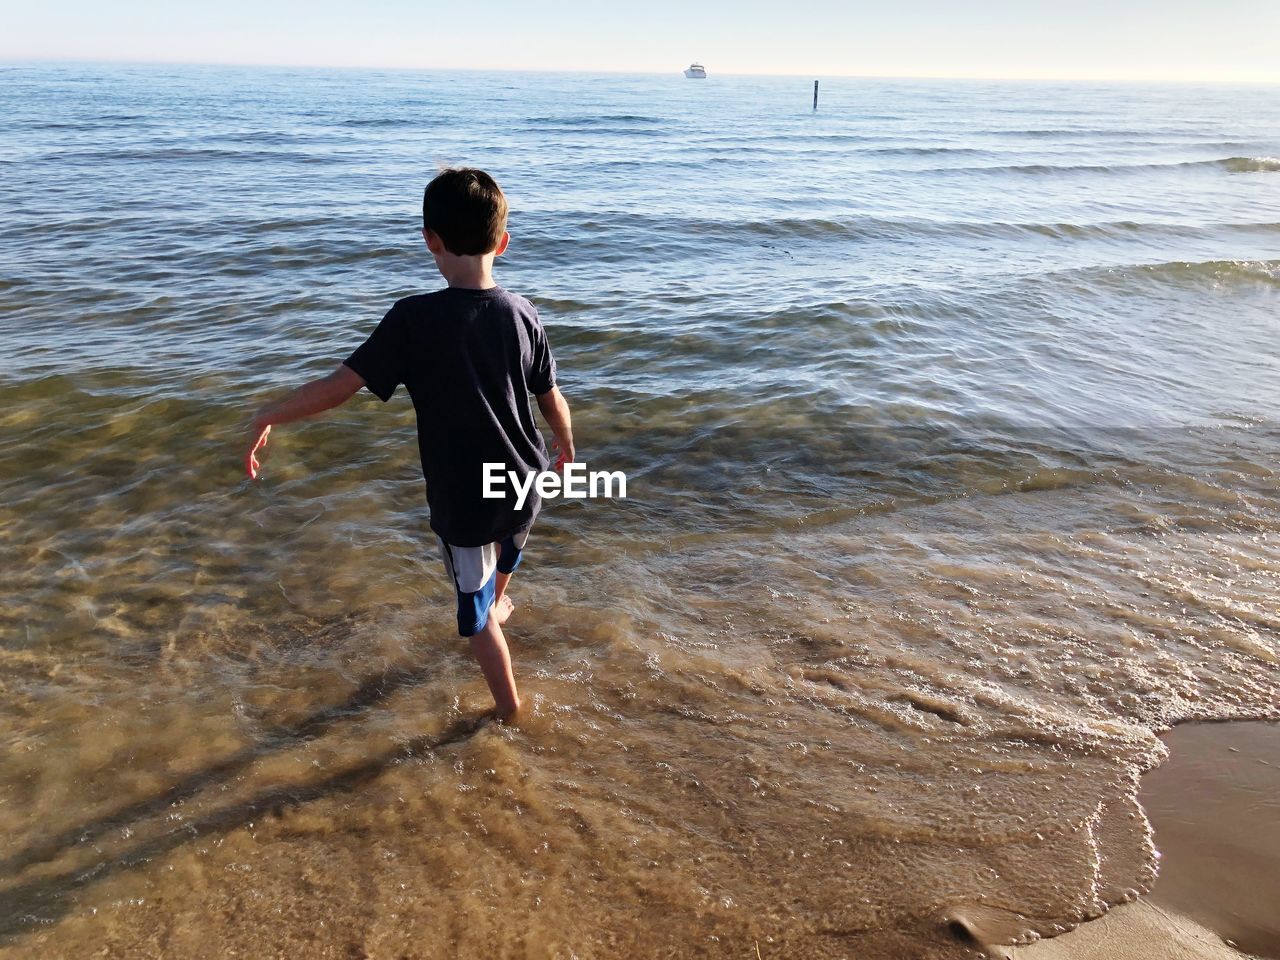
(439,251)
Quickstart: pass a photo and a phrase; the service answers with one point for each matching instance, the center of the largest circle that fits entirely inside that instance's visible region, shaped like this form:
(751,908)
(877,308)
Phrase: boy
(469,355)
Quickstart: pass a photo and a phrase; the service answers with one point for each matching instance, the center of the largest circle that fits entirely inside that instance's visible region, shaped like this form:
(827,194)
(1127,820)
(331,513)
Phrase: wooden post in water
(815,94)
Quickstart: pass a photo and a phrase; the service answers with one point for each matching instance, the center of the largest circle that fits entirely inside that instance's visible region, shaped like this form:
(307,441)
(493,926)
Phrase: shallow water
(948,417)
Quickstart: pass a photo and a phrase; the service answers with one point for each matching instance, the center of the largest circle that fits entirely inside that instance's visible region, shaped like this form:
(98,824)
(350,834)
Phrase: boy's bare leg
(502,605)
(489,647)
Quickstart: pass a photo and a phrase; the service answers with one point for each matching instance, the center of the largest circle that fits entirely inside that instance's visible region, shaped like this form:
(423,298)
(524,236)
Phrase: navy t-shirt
(469,359)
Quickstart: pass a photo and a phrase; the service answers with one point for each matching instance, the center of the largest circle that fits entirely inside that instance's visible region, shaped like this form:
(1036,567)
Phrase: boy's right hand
(251,464)
(310,398)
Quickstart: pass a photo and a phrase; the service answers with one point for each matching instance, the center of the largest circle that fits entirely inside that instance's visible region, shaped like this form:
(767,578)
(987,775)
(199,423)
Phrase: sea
(949,416)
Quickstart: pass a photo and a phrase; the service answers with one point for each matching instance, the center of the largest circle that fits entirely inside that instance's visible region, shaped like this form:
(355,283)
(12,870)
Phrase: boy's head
(466,210)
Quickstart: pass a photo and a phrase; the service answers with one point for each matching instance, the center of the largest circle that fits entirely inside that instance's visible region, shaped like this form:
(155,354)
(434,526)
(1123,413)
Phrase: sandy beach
(1215,808)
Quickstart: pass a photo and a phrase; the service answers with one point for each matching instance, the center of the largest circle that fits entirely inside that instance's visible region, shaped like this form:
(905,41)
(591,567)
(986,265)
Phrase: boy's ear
(501,248)
(433,240)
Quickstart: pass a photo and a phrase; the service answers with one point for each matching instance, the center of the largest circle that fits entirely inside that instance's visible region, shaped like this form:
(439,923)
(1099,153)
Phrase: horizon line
(1159,80)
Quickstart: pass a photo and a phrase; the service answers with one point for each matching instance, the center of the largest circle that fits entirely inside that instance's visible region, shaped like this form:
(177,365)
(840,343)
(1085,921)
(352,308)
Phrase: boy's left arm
(311,398)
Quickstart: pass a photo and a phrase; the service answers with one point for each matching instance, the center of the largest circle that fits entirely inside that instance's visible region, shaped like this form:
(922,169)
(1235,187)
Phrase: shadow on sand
(26,906)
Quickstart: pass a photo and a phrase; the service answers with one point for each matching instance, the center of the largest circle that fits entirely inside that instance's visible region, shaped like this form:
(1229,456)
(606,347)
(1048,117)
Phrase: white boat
(696,71)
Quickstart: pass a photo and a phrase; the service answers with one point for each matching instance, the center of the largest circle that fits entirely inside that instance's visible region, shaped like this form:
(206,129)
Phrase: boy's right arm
(310,398)
(555,410)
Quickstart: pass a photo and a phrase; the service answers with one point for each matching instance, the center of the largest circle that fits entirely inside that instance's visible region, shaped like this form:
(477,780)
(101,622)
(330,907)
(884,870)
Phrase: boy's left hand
(251,463)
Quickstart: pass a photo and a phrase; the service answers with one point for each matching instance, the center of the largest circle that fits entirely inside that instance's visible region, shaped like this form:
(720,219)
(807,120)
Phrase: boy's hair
(465,208)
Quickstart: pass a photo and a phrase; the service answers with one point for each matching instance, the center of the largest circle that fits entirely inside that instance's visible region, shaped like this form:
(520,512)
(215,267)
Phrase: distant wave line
(586,121)
(1176,271)
(1230,164)
(871,228)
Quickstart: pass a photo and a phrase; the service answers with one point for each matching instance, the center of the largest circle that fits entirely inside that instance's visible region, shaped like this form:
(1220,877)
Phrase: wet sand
(1215,808)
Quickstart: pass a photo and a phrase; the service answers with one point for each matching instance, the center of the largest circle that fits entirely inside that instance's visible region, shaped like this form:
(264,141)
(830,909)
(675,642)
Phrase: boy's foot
(502,609)
(507,716)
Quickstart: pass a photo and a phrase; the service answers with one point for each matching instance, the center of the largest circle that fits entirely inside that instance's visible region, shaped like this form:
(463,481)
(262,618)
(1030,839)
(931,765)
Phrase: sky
(1136,40)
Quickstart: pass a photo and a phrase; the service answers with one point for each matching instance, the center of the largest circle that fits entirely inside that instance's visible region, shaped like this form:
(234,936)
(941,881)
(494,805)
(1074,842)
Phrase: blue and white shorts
(474,571)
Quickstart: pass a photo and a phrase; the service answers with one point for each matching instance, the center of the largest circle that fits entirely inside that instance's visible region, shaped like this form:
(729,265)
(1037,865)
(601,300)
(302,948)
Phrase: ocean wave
(1257,271)
(1190,272)
(375,122)
(271,138)
(739,140)
(921,151)
(94,123)
(1061,132)
(562,306)
(256,259)
(1031,168)
(142,155)
(1231,164)
(704,229)
(586,225)
(590,121)
(281,225)
(1251,164)
(593,130)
